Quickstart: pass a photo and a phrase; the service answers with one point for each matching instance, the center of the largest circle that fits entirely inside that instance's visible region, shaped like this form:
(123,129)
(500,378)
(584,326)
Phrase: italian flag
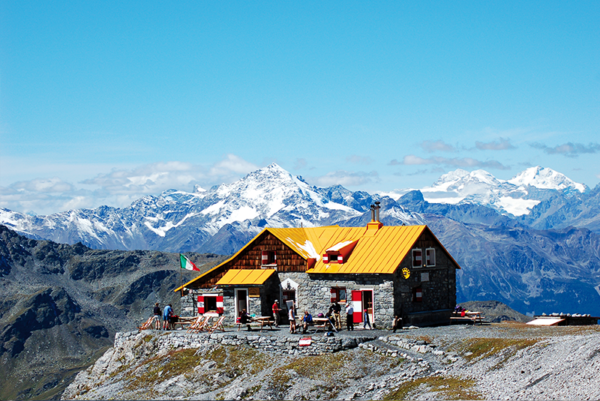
(187,264)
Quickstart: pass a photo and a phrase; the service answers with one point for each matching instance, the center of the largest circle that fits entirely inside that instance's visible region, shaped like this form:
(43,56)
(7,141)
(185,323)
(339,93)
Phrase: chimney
(377,207)
(372,212)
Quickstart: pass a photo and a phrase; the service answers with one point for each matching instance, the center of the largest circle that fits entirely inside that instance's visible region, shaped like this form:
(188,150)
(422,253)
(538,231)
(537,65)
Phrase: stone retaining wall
(276,344)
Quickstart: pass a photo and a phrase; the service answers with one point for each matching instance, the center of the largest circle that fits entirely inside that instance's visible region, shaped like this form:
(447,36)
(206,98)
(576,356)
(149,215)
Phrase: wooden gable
(251,258)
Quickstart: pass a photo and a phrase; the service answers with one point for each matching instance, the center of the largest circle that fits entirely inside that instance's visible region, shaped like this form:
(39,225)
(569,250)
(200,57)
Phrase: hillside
(504,361)
(62,305)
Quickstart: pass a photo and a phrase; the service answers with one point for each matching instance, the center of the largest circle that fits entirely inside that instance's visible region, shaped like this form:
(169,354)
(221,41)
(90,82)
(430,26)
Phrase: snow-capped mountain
(546,178)
(217,220)
(516,196)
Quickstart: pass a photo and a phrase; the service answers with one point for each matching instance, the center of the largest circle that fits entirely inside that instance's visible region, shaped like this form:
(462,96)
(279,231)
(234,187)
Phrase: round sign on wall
(406,272)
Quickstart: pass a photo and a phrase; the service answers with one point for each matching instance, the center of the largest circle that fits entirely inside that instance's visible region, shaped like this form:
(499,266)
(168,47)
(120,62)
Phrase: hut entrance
(241,301)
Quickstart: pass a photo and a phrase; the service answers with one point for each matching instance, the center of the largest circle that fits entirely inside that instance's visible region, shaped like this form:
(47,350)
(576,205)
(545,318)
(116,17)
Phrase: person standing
(366,320)
(276,311)
(292,319)
(166,313)
(336,315)
(157,313)
(349,316)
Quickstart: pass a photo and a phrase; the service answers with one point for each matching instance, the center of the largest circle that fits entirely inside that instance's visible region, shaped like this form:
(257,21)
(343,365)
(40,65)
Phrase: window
(269,258)
(338,294)
(330,258)
(417,256)
(417,294)
(430,257)
(210,304)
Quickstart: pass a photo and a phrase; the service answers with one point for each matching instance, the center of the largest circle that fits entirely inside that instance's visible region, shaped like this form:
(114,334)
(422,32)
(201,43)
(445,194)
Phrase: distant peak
(545,177)
(199,189)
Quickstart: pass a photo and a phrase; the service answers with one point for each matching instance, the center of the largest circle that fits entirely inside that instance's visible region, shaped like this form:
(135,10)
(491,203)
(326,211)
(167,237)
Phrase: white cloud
(568,149)
(119,187)
(345,178)
(437,146)
(501,144)
(464,162)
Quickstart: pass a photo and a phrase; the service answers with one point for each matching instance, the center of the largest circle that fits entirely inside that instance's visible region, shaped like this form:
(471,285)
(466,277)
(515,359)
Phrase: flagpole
(180,279)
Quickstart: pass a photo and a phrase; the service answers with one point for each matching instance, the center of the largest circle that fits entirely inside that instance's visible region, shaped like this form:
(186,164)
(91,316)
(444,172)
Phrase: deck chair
(199,325)
(217,326)
(147,324)
(195,323)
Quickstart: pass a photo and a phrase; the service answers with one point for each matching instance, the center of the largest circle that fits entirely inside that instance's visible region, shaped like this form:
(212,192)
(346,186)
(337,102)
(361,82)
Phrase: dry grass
(480,348)
(452,388)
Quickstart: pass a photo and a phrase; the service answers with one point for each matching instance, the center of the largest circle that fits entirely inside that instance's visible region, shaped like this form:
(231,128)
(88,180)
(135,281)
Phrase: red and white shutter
(340,259)
(201,305)
(326,258)
(418,294)
(333,294)
(220,305)
(265,257)
(274,257)
(417,258)
(430,255)
(357,304)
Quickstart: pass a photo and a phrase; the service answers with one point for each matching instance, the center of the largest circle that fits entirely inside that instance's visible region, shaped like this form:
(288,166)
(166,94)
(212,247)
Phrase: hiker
(336,315)
(292,319)
(307,320)
(156,319)
(349,316)
(366,320)
(166,313)
(397,323)
(276,311)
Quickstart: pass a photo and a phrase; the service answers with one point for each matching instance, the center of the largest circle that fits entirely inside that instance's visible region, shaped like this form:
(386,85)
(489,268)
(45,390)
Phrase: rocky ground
(498,361)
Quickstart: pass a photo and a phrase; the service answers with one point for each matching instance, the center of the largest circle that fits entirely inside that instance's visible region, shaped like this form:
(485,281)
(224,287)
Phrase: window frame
(337,291)
(427,257)
(414,260)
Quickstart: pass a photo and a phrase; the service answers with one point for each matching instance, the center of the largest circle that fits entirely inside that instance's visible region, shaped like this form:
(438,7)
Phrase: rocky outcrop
(507,361)
(62,304)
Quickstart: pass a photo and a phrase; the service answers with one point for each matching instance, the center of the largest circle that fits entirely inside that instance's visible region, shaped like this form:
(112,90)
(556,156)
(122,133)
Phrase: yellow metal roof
(373,254)
(245,277)
(378,251)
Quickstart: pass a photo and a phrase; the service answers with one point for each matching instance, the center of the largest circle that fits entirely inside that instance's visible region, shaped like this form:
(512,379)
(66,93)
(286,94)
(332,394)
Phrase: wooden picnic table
(264,321)
(321,323)
(476,317)
(185,320)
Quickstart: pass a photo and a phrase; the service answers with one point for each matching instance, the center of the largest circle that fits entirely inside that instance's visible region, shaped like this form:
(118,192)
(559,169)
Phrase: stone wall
(438,292)
(314,293)
(278,345)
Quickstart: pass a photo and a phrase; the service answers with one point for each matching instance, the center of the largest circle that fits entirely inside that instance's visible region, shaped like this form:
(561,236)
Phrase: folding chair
(147,324)
(199,324)
(217,326)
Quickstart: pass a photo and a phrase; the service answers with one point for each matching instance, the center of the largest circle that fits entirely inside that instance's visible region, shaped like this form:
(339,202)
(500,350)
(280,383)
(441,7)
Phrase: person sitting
(329,316)
(307,320)
(245,318)
(397,323)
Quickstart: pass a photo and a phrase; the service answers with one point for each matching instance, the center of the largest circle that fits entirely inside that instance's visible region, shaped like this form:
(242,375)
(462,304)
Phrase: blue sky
(103,102)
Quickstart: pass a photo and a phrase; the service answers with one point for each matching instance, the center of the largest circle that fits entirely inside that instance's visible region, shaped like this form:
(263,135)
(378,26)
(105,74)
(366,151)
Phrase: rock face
(495,311)
(507,361)
(61,306)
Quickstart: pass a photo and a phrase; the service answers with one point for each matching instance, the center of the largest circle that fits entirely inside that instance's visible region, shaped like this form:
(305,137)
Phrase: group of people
(333,315)
(168,317)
